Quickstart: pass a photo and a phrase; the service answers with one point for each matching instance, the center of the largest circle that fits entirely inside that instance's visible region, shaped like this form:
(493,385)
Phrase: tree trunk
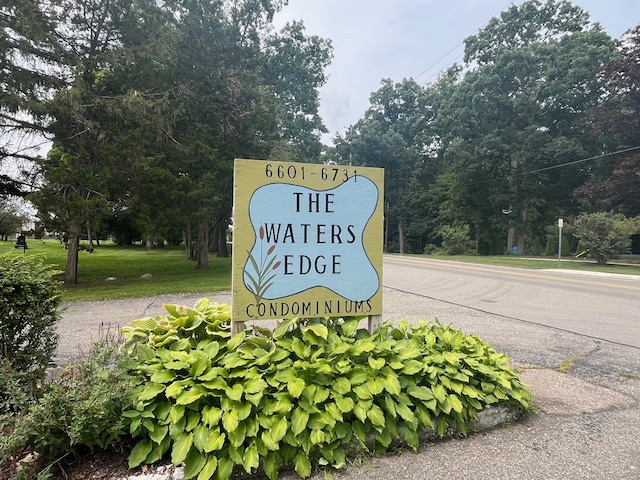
(222,241)
(511,235)
(71,269)
(188,242)
(89,237)
(401,236)
(213,239)
(203,245)
(477,241)
(149,242)
(522,231)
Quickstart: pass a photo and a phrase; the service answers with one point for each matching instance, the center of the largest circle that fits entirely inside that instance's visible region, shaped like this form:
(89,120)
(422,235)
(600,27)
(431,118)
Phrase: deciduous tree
(515,117)
(615,123)
(605,234)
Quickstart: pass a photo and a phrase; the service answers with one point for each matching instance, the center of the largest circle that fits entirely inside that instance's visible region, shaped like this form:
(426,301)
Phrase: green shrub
(566,245)
(536,247)
(430,249)
(455,239)
(29,300)
(82,407)
(303,394)
(605,234)
(551,247)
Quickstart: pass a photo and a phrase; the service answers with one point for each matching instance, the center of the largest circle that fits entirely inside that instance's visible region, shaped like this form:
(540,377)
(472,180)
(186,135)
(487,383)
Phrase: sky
(397,39)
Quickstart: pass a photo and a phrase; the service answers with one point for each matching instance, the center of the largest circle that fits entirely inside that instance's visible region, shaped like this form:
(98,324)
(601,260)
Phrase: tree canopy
(146,104)
(500,145)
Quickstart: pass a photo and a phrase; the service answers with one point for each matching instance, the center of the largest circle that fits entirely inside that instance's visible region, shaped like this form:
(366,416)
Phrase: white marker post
(560,225)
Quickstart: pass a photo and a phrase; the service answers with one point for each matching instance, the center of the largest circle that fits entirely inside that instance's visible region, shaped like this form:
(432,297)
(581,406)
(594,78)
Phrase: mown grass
(170,271)
(627,266)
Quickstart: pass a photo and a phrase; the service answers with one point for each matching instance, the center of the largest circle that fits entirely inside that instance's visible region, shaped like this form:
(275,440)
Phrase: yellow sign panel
(307,240)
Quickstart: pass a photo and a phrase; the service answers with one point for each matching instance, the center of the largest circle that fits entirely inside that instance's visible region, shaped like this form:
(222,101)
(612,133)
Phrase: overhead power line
(604,155)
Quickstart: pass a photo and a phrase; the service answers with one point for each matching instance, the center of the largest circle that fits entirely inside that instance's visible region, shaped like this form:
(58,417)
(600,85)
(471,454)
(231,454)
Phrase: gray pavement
(588,417)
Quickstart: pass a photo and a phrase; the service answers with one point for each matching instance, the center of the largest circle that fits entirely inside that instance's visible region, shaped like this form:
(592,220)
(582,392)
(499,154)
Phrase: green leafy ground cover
(303,395)
(307,395)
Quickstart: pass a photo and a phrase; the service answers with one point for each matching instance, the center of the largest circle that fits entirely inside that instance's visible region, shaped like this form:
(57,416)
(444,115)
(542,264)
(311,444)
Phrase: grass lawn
(627,266)
(171,271)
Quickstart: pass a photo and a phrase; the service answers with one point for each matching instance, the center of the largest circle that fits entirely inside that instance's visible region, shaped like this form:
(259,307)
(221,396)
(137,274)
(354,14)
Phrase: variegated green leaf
(211,415)
(295,387)
(302,465)
(191,395)
(159,433)
(345,404)
(319,330)
(139,453)
(151,390)
(455,403)
(439,392)
(250,459)
(341,385)
(163,376)
(405,412)
(181,447)
(376,416)
(225,469)
(299,420)
(214,441)
(194,463)
(230,420)
(279,429)
(235,392)
(255,385)
(209,468)
(376,363)
(392,384)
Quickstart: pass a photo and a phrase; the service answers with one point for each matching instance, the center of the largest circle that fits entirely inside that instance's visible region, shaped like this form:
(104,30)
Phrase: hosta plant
(303,394)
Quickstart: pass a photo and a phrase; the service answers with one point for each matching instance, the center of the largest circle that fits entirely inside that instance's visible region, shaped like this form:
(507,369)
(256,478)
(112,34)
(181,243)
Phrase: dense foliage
(532,127)
(29,300)
(605,234)
(303,394)
(80,409)
(10,220)
(147,104)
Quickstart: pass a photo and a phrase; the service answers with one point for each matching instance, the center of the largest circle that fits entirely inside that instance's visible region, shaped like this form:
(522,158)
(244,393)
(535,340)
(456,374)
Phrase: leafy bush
(82,407)
(455,239)
(536,247)
(430,249)
(29,300)
(303,394)
(605,234)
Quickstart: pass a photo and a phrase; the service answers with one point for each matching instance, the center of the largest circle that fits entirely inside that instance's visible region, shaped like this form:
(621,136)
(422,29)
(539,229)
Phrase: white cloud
(377,39)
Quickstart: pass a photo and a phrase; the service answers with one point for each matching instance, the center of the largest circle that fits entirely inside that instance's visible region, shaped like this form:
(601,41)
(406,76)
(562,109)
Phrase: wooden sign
(307,240)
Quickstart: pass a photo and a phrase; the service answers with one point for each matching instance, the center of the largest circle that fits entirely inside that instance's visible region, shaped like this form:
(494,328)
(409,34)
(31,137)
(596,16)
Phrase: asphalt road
(603,306)
(575,339)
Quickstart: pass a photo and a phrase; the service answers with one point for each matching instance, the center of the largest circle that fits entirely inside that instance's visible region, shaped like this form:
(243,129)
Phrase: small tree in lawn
(605,234)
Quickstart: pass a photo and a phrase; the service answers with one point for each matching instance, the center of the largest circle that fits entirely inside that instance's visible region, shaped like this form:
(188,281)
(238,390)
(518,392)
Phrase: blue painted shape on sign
(308,238)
